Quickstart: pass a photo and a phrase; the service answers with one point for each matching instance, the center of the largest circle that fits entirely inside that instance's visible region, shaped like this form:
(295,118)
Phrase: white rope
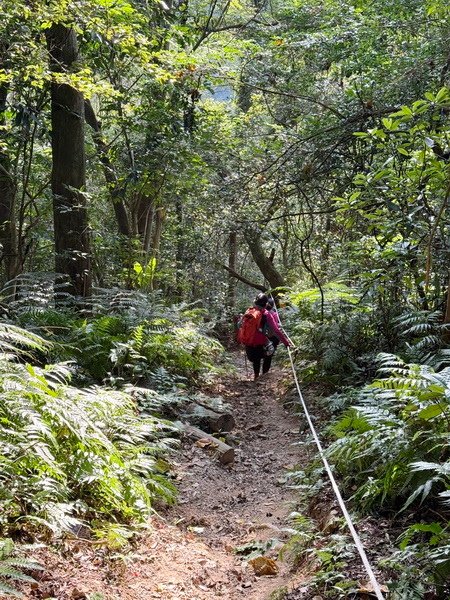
(356,538)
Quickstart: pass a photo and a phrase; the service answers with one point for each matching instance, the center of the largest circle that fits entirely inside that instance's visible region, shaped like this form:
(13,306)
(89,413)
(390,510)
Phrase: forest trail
(224,508)
(190,552)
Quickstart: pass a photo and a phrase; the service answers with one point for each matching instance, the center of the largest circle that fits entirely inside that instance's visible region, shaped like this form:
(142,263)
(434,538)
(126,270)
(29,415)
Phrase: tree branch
(236,275)
(299,97)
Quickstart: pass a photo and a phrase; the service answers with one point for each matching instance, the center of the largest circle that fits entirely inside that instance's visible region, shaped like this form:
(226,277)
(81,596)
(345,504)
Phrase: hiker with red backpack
(256,323)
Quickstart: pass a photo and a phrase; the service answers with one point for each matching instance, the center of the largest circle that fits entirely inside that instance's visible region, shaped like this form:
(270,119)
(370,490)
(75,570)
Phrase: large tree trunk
(109,172)
(264,263)
(72,242)
(8,231)
(144,213)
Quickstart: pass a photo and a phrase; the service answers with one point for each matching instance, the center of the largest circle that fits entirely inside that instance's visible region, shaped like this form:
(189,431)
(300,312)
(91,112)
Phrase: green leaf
(405,111)
(403,151)
(442,95)
(430,412)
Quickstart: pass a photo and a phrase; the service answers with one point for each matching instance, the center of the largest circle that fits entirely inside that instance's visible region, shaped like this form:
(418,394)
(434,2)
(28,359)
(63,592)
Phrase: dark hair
(270,302)
(261,300)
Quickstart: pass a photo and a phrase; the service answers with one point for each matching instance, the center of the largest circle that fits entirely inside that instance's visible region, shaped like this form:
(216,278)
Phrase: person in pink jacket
(261,348)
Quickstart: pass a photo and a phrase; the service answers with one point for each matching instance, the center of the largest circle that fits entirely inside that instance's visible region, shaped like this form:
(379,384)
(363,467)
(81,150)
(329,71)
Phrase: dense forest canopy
(189,136)
(161,158)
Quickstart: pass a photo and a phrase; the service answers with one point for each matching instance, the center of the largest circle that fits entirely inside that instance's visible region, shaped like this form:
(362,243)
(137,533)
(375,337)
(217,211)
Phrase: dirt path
(223,508)
(191,552)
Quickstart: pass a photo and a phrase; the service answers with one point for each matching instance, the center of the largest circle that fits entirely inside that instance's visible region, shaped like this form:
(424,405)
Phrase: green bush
(395,434)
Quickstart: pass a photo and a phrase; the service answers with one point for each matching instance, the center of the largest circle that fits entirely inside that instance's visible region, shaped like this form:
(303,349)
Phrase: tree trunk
(209,420)
(447,307)
(72,243)
(244,95)
(239,277)
(160,216)
(150,213)
(8,231)
(108,171)
(180,248)
(145,213)
(232,258)
(264,263)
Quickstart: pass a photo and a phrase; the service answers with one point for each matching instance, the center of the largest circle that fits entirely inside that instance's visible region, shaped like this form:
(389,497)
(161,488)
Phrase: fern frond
(9,591)
(440,469)
(18,341)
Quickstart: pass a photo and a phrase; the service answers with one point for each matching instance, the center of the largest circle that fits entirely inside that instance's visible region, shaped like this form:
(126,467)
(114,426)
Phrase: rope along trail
(356,538)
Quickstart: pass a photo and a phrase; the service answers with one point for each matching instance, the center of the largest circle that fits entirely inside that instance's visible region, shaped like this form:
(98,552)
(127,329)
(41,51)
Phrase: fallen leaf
(330,523)
(367,588)
(203,443)
(264,566)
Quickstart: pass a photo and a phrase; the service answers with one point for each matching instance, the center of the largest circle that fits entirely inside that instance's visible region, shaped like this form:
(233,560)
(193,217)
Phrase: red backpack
(250,323)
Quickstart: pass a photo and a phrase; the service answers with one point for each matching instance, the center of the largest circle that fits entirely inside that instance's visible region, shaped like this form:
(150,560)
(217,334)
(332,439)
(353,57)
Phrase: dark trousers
(255,355)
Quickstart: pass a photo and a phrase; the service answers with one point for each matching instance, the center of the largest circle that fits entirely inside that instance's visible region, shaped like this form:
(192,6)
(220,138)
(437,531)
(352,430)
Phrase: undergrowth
(83,391)
(13,569)
(388,440)
(338,335)
(390,450)
(71,456)
(125,336)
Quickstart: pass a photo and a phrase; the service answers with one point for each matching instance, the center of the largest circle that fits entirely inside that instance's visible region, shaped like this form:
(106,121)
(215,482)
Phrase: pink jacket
(260,339)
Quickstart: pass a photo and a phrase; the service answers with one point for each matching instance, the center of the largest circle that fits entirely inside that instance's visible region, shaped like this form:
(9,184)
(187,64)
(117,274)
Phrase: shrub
(392,448)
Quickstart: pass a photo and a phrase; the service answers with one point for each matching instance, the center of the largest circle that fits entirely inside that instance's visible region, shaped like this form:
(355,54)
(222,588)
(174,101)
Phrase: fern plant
(12,569)
(338,334)
(17,342)
(128,337)
(425,548)
(393,446)
(70,455)
(426,337)
(325,556)
(400,420)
